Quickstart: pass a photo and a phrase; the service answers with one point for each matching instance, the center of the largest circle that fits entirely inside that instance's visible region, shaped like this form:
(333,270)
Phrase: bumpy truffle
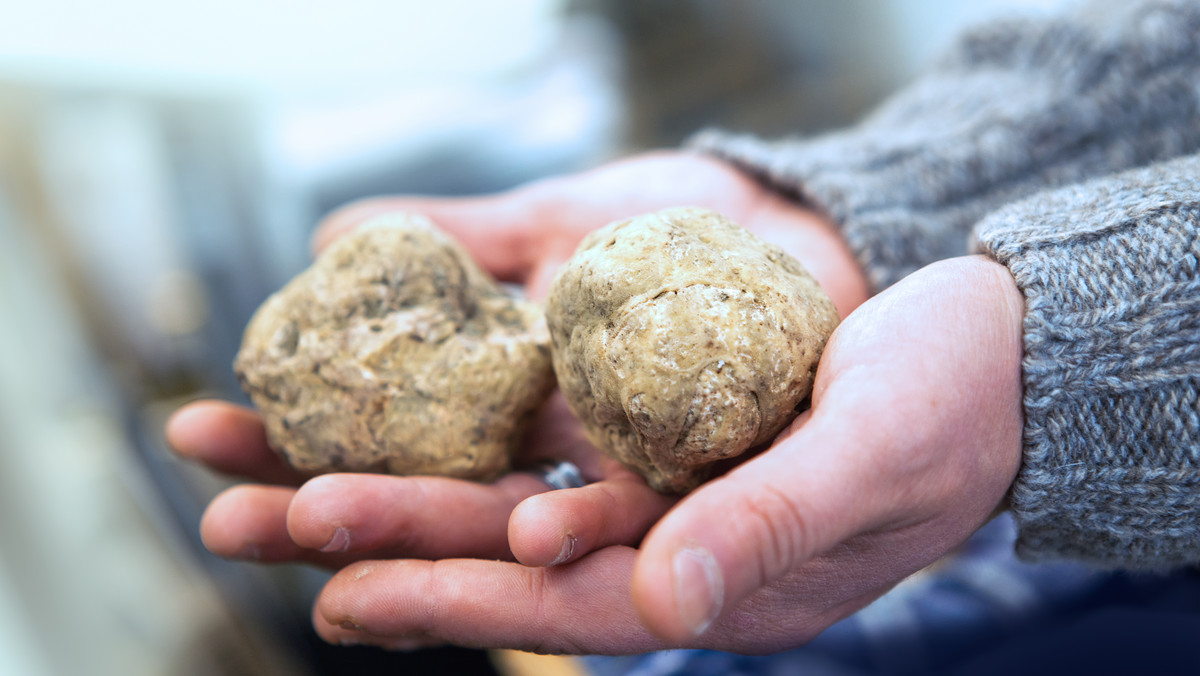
(681,339)
(395,353)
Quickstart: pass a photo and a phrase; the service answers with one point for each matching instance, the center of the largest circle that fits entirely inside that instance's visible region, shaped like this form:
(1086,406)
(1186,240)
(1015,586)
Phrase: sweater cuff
(1110,271)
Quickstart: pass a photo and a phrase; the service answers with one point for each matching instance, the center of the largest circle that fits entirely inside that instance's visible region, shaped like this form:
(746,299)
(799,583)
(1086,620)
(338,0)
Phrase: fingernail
(568,548)
(350,624)
(340,541)
(699,588)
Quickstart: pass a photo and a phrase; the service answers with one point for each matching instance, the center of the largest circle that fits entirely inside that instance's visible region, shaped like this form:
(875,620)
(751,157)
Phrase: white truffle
(395,353)
(681,339)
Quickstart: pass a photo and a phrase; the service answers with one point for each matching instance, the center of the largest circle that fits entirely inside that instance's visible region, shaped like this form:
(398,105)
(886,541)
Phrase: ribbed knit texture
(1016,108)
(1109,268)
(1110,271)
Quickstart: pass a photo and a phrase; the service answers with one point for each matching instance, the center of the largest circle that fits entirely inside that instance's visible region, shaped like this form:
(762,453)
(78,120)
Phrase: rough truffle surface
(395,353)
(681,339)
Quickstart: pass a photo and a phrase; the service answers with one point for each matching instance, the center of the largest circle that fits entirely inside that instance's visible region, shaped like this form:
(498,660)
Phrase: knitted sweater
(1060,148)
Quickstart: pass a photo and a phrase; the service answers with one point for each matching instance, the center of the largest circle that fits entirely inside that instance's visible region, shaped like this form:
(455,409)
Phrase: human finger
(556,527)
(409,517)
(500,232)
(777,511)
(249,522)
(580,608)
(230,439)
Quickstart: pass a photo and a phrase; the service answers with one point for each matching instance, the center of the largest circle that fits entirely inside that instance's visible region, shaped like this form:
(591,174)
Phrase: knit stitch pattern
(1110,271)
(1015,109)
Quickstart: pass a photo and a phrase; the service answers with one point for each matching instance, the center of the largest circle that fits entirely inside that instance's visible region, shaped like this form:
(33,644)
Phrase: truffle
(395,353)
(681,339)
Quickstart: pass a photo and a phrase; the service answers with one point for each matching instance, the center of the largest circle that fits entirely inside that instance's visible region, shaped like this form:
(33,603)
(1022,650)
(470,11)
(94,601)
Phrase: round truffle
(395,353)
(681,339)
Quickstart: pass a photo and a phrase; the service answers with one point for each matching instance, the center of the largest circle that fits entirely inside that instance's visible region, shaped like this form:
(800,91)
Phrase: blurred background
(161,168)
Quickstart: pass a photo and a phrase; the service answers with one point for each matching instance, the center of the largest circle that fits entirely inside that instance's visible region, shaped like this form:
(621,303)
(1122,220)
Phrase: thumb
(739,533)
(914,438)
(500,232)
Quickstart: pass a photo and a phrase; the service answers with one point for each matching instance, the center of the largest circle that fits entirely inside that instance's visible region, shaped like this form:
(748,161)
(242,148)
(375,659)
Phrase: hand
(911,444)
(520,236)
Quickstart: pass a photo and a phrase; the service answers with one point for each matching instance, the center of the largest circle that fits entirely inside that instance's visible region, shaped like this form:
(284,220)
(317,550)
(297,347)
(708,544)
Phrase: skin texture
(681,339)
(912,442)
(395,353)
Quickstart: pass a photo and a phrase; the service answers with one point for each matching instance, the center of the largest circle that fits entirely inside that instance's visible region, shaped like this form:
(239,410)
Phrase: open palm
(522,237)
(911,445)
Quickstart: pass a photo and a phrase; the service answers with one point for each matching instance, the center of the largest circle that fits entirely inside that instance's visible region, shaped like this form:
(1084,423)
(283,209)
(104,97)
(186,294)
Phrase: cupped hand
(521,236)
(911,444)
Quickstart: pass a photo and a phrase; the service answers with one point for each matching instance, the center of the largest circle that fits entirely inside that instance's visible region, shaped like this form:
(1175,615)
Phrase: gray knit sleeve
(1110,271)
(1015,109)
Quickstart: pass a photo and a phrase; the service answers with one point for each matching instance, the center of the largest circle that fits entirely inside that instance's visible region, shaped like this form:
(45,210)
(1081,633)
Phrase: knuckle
(781,528)
(536,589)
(549,633)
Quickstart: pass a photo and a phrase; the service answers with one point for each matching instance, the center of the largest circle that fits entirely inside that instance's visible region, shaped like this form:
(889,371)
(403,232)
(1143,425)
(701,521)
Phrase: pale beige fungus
(395,353)
(681,339)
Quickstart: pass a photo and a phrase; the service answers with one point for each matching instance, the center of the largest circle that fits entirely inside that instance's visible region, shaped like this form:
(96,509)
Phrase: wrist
(1002,299)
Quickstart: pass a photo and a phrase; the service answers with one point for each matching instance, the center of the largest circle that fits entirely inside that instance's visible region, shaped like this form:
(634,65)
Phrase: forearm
(1110,271)
(1016,109)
